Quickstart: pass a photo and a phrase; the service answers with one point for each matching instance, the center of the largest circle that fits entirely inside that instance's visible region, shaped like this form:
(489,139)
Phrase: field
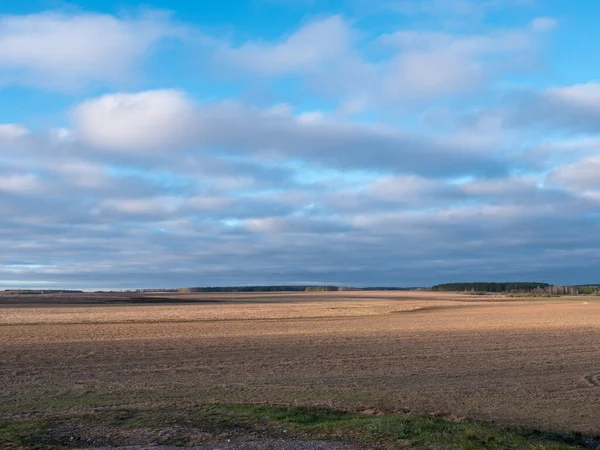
(104,370)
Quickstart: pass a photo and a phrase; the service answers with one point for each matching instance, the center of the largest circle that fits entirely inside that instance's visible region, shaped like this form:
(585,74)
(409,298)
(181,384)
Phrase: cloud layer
(395,157)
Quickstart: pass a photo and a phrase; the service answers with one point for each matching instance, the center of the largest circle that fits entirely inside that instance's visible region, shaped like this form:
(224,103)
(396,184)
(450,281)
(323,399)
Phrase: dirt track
(534,363)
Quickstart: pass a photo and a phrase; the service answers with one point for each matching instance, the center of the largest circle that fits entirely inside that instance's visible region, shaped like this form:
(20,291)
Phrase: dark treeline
(374,288)
(260,289)
(322,288)
(491,287)
(589,289)
(519,288)
(298,288)
(40,291)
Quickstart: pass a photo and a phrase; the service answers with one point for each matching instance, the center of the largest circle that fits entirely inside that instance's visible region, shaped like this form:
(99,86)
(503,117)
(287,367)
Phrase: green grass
(22,434)
(417,430)
(391,430)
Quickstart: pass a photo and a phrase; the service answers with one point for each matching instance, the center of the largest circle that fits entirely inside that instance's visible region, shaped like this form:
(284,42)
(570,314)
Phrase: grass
(23,434)
(300,422)
(419,431)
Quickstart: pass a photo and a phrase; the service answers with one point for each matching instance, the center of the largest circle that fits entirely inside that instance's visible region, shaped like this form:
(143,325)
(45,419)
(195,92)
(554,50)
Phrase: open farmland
(512,361)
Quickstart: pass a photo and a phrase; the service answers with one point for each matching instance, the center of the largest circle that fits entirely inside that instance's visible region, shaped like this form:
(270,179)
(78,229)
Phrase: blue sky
(380,142)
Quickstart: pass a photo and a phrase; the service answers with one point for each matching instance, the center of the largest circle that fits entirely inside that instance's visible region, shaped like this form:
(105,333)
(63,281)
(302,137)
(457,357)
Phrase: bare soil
(518,362)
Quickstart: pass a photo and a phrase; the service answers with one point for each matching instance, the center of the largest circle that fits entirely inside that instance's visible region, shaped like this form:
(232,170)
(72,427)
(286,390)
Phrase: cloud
(329,57)
(135,122)
(24,183)
(579,177)
(559,152)
(154,206)
(294,225)
(543,24)
(322,54)
(157,120)
(422,184)
(574,108)
(12,132)
(582,96)
(134,228)
(312,47)
(401,192)
(66,51)
(82,174)
(432,64)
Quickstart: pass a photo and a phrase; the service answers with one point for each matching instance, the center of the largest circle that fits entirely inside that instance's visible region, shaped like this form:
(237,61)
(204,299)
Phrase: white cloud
(312,47)
(418,75)
(331,57)
(580,177)
(19,183)
(582,96)
(152,206)
(167,121)
(432,64)
(294,224)
(153,120)
(11,132)
(66,51)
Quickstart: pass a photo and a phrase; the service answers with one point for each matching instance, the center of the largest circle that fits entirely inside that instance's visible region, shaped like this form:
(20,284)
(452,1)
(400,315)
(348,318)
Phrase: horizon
(289,285)
(385,143)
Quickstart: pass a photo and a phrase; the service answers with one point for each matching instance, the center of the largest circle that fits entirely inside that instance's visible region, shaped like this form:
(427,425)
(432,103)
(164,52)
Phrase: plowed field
(530,362)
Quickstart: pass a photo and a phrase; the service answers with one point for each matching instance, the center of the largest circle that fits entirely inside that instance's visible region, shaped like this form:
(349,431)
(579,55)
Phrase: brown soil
(525,362)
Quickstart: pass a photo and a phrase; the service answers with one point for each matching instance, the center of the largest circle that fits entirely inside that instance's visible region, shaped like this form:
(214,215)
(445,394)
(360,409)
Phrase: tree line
(519,288)
(39,291)
(260,289)
(491,287)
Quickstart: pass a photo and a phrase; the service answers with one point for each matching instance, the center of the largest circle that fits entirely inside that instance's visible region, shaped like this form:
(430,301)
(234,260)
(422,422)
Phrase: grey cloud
(177,217)
(419,252)
(572,108)
(580,177)
(154,189)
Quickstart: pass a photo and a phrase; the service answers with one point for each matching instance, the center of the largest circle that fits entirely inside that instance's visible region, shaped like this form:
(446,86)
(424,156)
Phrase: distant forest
(519,288)
(39,291)
(534,288)
(261,289)
(491,287)
(287,288)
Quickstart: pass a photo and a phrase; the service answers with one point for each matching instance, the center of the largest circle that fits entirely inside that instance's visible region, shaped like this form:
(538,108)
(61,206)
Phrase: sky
(249,142)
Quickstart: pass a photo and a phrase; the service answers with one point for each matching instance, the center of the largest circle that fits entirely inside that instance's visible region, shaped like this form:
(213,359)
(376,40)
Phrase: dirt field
(513,361)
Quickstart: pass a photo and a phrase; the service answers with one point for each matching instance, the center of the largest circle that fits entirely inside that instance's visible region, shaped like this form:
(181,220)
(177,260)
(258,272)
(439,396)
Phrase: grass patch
(22,434)
(419,431)
(294,422)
